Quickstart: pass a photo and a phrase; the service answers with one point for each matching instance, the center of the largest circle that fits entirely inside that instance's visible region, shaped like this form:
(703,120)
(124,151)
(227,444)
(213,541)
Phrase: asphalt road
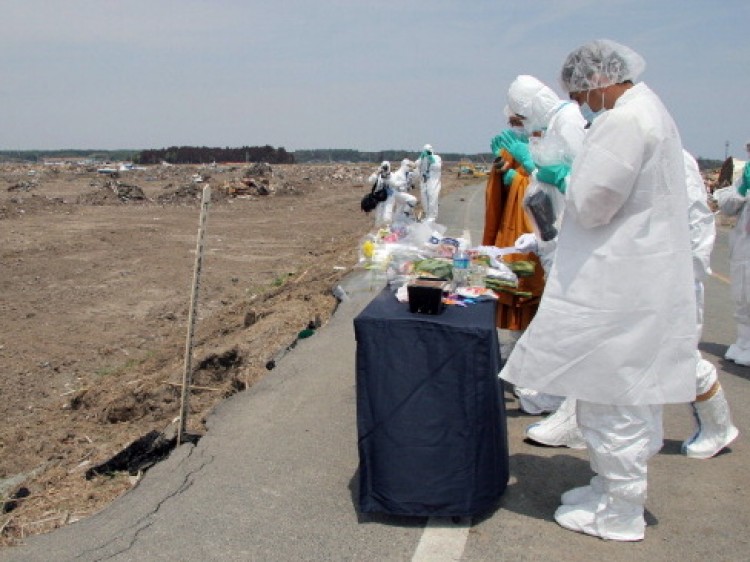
(275,477)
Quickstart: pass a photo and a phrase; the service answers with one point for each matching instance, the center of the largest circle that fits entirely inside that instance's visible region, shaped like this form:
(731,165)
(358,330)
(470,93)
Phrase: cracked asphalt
(275,476)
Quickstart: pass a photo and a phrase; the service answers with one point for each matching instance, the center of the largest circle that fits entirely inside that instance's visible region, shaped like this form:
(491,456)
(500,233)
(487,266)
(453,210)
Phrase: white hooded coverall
(731,203)
(403,201)
(429,168)
(616,327)
(714,427)
(563,129)
(384,179)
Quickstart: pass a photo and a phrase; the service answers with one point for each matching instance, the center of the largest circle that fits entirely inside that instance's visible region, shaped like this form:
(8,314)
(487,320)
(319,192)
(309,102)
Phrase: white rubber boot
(741,347)
(605,517)
(621,520)
(584,494)
(741,357)
(581,517)
(560,429)
(732,352)
(715,428)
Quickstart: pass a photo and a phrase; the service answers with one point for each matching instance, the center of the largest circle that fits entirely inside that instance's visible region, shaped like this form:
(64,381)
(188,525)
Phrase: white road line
(443,540)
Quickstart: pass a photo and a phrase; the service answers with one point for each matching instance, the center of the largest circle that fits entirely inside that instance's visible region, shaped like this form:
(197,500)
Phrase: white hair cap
(598,64)
(427,147)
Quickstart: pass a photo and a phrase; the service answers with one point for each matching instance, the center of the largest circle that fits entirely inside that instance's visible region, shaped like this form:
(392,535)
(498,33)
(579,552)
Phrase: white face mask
(520,131)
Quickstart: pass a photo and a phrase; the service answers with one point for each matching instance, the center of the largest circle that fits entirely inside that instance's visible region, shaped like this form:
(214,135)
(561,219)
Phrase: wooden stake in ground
(188,373)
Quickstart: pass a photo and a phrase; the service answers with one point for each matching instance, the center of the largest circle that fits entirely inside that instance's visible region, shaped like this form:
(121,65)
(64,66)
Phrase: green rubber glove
(495,145)
(518,148)
(745,183)
(508,177)
(554,175)
(425,154)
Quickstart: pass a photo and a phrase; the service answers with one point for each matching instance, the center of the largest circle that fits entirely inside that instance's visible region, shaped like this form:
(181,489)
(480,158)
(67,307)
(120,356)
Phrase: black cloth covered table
(430,413)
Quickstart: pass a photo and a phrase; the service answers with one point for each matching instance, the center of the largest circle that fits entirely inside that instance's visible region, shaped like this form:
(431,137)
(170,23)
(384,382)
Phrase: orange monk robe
(505,220)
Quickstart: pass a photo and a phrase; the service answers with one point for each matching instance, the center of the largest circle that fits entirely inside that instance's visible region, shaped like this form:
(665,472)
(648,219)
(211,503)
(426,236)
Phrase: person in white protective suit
(616,326)
(382,181)
(732,202)
(429,168)
(403,201)
(714,428)
(555,130)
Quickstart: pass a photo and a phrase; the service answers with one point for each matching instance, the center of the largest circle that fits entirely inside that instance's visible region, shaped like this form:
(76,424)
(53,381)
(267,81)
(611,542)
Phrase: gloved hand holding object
(527,243)
(554,174)
(518,148)
(745,184)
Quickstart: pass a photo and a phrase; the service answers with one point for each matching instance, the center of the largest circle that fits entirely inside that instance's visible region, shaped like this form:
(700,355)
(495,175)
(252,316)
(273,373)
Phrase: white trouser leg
(620,441)
(705,374)
(405,203)
(430,195)
(384,211)
(508,340)
(530,401)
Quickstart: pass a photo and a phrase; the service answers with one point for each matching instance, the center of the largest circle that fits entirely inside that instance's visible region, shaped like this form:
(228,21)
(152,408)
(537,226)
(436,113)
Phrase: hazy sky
(367,75)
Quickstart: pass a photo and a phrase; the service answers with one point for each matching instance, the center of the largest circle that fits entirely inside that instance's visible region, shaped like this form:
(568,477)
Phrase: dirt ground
(95,279)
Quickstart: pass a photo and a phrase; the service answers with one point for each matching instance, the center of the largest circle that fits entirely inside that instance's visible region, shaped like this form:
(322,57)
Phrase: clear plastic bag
(543,203)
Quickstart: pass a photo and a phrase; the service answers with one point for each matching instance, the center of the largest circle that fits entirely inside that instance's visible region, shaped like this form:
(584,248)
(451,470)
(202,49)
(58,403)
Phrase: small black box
(426,296)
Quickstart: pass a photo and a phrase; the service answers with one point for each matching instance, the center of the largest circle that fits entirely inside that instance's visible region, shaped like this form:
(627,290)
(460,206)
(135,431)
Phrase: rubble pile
(83,184)
(24,185)
(184,193)
(127,192)
(112,192)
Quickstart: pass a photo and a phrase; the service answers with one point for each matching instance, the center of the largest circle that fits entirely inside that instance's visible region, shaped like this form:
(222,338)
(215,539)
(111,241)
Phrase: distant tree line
(206,155)
(78,154)
(708,163)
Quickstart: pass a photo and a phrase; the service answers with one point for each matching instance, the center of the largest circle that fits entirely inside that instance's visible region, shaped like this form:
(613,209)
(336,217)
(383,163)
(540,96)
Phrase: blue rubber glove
(745,183)
(518,148)
(554,175)
(508,177)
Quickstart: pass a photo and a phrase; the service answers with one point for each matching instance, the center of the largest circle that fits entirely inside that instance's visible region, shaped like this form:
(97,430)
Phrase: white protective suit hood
(532,99)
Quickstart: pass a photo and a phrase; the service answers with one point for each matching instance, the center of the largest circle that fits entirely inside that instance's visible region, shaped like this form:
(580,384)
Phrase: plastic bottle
(460,267)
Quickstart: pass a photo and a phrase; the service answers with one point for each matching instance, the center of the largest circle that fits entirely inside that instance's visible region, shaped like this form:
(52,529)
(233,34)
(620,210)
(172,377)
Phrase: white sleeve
(700,219)
(606,170)
(729,200)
